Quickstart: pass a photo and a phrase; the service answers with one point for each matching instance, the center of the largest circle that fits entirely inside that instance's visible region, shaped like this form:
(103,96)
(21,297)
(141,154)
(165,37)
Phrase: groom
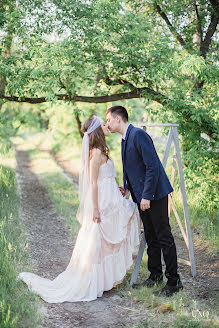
(145,178)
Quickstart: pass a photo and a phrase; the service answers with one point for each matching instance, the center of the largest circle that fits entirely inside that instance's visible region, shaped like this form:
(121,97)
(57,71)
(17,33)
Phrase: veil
(85,206)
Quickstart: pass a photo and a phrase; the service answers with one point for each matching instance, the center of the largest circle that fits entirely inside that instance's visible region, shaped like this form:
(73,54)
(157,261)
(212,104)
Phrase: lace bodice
(107,170)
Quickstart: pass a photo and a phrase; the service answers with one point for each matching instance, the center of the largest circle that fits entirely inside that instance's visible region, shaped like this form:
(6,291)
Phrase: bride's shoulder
(97,157)
(95,154)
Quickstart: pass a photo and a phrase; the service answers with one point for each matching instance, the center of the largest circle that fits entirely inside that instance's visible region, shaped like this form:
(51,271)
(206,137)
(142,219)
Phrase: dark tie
(123,164)
(123,145)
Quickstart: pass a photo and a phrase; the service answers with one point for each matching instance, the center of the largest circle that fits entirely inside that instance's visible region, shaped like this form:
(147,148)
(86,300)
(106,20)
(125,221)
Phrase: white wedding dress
(103,251)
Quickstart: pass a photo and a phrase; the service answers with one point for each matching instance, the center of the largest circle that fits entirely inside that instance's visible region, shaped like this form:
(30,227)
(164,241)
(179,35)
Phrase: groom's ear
(118,118)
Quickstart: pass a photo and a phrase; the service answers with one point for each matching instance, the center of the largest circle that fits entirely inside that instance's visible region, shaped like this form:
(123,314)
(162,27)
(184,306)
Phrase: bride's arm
(94,172)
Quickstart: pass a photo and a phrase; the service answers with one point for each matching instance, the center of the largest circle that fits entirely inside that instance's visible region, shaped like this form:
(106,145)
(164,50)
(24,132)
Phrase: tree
(108,50)
(119,50)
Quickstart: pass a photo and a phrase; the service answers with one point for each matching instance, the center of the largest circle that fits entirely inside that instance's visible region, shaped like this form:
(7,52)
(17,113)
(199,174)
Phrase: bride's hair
(96,138)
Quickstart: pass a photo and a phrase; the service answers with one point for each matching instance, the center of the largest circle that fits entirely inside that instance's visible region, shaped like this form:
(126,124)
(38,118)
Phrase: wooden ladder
(187,235)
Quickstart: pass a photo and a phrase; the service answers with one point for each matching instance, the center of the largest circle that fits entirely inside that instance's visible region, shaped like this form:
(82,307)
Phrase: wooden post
(167,150)
(185,207)
(138,260)
(172,178)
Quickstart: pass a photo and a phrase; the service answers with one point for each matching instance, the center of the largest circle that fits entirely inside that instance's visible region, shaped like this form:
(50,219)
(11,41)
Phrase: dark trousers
(159,237)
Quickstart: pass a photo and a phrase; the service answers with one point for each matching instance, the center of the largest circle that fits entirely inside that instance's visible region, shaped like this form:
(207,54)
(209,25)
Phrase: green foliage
(16,117)
(96,48)
(203,164)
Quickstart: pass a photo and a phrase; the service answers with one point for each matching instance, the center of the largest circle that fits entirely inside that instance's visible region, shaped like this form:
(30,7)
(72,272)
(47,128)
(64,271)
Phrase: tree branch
(210,32)
(136,93)
(6,52)
(108,81)
(63,86)
(77,118)
(207,125)
(199,26)
(215,6)
(171,27)
(39,100)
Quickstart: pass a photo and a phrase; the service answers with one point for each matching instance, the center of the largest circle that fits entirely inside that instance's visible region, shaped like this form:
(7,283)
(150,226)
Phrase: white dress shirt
(124,135)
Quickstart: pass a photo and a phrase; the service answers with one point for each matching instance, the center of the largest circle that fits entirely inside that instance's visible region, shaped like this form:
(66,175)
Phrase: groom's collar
(125,133)
(130,126)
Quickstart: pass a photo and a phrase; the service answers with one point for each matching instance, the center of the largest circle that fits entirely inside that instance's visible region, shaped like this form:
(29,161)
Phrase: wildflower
(9,247)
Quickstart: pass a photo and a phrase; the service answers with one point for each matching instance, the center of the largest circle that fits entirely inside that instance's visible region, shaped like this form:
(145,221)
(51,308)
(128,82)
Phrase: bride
(109,229)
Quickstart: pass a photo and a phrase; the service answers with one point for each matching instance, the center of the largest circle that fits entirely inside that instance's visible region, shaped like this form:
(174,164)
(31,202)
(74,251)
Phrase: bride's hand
(123,191)
(96,216)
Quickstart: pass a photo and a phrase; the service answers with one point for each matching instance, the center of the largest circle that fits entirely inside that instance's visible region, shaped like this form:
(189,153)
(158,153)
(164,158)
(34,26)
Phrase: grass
(181,310)
(64,196)
(18,307)
(62,192)
(203,222)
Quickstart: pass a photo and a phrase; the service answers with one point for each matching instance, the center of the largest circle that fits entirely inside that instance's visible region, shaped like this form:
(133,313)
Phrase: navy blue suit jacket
(142,166)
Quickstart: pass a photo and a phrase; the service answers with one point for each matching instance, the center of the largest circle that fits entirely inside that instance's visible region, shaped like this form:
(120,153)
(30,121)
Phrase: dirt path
(51,249)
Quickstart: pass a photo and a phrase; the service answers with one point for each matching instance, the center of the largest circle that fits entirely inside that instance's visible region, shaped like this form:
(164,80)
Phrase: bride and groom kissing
(110,223)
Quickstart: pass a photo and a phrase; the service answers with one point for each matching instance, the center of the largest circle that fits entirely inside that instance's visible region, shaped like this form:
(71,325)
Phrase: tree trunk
(78,121)
(6,54)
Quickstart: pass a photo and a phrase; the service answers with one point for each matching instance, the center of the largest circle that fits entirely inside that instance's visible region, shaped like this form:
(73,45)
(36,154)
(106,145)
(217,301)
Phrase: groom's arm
(145,147)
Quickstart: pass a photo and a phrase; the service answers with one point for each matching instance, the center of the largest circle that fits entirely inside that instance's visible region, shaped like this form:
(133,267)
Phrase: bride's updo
(96,138)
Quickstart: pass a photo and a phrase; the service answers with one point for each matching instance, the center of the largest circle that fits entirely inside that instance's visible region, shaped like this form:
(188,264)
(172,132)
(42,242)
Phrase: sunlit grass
(62,192)
(8,159)
(180,310)
(18,307)
(204,222)
(65,197)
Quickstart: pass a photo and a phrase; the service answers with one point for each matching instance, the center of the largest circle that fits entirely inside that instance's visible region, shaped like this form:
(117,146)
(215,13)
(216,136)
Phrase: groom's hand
(145,204)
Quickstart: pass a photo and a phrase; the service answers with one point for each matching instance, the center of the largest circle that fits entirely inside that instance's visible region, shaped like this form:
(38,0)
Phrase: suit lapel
(126,138)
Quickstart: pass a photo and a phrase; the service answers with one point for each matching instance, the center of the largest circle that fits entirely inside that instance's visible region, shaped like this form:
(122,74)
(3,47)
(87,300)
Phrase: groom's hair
(119,110)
